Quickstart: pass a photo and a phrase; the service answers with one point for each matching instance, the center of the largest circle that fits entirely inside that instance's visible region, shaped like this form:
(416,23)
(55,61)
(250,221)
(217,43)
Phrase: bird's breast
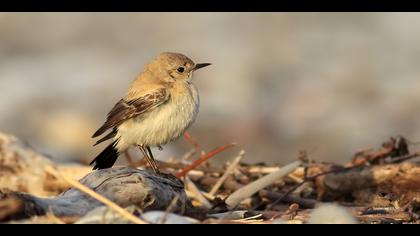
(164,123)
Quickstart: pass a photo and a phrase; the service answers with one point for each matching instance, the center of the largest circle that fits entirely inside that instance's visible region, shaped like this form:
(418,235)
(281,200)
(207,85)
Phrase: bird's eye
(180,69)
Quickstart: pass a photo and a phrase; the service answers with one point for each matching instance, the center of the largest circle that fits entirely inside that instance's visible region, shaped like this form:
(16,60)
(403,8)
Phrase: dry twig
(235,198)
(191,140)
(124,213)
(228,171)
(197,193)
(202,159)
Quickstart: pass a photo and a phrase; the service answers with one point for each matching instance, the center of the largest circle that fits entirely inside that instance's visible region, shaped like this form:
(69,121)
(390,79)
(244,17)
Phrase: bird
(160,105)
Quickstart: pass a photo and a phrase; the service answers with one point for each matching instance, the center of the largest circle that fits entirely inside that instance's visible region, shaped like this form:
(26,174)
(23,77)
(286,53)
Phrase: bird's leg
(170,176)
(152,159)
(149,159)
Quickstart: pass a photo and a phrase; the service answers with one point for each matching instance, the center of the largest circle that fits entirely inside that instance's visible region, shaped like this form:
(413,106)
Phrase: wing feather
(125,110)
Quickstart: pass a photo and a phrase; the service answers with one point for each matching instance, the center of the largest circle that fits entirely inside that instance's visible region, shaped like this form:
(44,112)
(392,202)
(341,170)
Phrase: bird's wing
(127,109)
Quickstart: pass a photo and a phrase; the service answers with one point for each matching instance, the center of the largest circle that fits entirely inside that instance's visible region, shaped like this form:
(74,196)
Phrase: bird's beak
(200,65)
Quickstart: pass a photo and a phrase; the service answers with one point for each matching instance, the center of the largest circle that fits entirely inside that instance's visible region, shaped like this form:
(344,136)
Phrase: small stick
(406,157)
(178,165)
(248,190)
(191,140)
(124,213)
(189,154)
(311,178)
(198,195)
(262,169)
(302,202)
(208,196)
(169,209)
(229,170)
(202,159)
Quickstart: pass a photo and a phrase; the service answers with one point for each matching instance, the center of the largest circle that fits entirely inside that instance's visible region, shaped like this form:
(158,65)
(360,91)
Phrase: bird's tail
(107,157)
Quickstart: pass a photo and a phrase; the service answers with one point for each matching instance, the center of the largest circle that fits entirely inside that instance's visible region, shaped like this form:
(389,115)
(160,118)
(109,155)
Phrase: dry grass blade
(169,209)
(255,217)
(229,170)
(202,159)
(235,198)
(124,213)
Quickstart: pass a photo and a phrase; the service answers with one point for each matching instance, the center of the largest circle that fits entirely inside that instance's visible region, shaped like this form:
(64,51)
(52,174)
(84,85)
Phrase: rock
(161,217)
(329,213)
(104,215)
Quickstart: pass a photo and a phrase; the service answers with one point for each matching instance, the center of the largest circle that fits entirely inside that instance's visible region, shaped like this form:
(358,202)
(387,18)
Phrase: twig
(189,154)
(197,193)
(202,159)
(262,169)
(302,202)
(295,178)
(378,211)
(406,157)
(124,213)
(311,178)
(235,198)
(194,150)
(169,209)
(229,170)
(191,140)
(247,219)
(208,196)
(179,165)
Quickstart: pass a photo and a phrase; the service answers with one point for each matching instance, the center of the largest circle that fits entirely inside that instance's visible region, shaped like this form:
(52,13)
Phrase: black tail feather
(106,158)
(108,136)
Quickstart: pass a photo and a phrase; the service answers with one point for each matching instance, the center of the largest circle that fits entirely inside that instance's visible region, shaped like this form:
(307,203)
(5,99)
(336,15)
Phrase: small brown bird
(160,105)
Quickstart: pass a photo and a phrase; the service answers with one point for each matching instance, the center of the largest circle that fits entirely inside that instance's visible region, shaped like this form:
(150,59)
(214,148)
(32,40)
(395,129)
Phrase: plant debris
(378,186)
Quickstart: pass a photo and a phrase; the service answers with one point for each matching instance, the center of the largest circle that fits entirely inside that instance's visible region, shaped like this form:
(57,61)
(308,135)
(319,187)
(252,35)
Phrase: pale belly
(161,125)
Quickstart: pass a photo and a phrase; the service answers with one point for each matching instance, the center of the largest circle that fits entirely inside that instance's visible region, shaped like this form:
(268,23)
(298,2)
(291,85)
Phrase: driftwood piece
(398,179)
(125,186)
(21,168)
(24,185)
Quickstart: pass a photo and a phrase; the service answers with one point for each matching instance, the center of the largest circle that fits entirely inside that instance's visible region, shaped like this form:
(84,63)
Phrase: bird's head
(173,67)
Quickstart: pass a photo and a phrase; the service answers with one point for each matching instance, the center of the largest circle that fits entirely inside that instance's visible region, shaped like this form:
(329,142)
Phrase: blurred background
(328,83)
